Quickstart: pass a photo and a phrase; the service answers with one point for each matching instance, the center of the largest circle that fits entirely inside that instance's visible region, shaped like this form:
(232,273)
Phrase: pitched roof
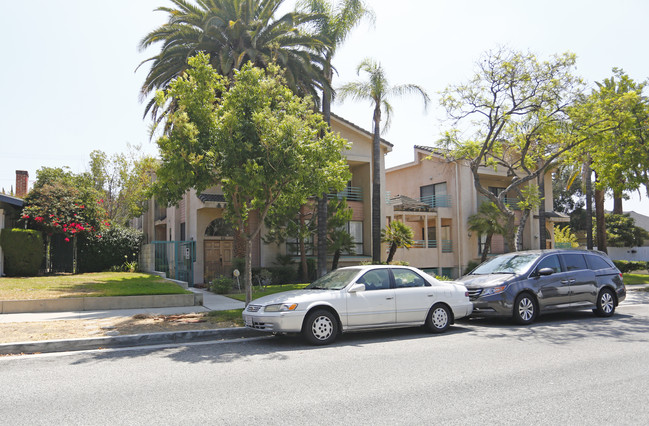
(14,201)
(405,203)
(218,198)
(359,128)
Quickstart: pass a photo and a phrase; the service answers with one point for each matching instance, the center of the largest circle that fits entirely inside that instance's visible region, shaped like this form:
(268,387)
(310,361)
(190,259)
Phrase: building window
(218,228)
(355,229)
(293,246)
(182,231)
(434,195)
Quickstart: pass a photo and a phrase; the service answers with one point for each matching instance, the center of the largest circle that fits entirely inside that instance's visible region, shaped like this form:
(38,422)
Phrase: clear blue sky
(69,86)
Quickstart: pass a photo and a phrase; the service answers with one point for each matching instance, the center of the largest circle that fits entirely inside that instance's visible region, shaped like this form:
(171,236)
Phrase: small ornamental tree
(397,235)
(265,146)
(64,203)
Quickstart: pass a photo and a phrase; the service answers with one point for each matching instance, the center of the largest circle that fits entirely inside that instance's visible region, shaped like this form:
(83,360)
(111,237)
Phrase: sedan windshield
(507,264)
(335,280)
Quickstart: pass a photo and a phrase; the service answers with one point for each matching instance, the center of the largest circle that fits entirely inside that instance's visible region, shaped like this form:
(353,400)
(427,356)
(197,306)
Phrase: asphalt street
(570,368)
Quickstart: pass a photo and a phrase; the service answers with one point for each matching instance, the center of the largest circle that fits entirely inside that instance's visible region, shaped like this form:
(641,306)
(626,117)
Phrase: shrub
(23,251)
(221,285)
(118,247)
(629,266)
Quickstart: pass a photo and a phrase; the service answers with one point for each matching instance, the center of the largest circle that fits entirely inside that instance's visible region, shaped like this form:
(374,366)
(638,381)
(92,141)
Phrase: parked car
(524,284)
(361,297)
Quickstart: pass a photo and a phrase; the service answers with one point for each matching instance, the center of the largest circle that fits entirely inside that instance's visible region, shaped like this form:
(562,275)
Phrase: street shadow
(564,327)
(269,347)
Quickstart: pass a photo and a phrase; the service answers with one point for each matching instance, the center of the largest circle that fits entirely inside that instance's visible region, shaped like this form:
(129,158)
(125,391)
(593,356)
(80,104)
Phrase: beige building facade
(435,197)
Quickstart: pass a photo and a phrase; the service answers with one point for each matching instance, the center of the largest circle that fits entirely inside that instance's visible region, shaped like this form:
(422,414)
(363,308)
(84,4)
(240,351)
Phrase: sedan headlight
(493,290)
(281,307)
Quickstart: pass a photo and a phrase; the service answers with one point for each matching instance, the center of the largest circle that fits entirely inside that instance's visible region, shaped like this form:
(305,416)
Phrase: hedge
(629,266)
(23,251)
(116,246)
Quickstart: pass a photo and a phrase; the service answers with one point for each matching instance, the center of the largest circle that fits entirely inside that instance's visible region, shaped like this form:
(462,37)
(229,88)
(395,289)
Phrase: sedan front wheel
(525,310)
(320,327)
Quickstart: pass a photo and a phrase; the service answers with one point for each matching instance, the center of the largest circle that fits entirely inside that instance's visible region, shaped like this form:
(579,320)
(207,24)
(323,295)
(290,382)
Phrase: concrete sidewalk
(211,302)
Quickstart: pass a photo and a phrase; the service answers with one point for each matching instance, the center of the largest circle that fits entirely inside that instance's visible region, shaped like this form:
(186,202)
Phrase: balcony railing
(512,201)
(447,245)
(351,193)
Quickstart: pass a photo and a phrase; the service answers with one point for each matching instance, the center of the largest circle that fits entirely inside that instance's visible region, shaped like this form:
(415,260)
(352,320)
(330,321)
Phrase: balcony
(511,201)
(351,193)
(447,245)
(432,201)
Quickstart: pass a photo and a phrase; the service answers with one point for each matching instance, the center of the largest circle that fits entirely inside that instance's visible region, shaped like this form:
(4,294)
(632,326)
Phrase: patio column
(438,232)
(2,225)
(426,232)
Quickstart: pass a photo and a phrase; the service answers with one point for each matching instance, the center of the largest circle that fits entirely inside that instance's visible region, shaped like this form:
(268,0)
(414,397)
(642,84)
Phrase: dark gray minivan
(524,284)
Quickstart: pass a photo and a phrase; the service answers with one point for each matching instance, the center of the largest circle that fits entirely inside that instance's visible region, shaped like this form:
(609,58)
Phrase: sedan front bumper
(275,322)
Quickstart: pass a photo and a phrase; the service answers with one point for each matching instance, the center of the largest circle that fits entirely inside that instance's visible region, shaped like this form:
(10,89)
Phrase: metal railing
(176,259)
(511,201)
(351,193)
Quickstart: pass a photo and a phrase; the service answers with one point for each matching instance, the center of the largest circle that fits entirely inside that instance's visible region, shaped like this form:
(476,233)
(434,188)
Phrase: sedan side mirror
(546,271)
(356,288)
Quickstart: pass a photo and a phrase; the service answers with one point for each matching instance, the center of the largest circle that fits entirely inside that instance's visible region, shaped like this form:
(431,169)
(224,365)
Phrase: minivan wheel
(525,309)
(605,303)
(320,327)
(438,319)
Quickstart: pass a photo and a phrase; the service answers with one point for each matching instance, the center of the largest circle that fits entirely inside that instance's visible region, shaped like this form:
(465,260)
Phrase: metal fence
(174,258)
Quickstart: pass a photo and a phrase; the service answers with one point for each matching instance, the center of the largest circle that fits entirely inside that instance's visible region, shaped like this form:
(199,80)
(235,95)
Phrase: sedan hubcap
(526,309)
(607,302)
(440,318)
(322,328)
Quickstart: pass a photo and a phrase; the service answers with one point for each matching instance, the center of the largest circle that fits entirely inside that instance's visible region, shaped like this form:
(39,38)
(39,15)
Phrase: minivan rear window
(574,262)
(597,262)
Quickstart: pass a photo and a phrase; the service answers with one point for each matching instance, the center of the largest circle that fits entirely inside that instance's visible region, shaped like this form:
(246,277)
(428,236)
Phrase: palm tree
(397,235)
(378,91)
(488,221)
(334,23)
(234,32)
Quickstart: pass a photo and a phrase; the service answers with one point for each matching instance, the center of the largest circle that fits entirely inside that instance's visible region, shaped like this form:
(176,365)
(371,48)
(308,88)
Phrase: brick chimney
(22,183)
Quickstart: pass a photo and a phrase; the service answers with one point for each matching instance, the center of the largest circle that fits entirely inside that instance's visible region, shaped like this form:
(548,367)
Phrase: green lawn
(630,279)
(272,289)
(100,284)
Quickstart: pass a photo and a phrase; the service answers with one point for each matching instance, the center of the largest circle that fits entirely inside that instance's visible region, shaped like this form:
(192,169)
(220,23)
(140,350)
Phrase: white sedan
(361,297)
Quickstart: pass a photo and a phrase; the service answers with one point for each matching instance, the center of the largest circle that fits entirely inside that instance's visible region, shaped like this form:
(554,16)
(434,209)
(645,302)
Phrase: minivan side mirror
(545,271)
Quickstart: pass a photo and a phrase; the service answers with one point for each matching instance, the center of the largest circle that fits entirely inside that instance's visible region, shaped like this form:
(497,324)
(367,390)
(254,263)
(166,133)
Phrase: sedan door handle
(389,298)
(565,281)
(431,295)
(573,281)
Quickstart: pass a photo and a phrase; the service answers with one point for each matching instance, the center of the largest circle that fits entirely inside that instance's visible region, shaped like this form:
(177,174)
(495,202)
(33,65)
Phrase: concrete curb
(48,346)
(100,303)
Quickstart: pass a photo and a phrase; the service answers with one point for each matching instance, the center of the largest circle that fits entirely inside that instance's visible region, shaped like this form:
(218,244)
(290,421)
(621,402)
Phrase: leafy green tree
(489,221)
(516,115)
(397,235)
(621,231)
(339,239)
(377,90)
(265,146)
(233,32)
(124,182)
(334,21)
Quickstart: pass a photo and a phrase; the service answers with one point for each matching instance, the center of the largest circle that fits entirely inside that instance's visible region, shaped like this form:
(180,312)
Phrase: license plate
(247,319)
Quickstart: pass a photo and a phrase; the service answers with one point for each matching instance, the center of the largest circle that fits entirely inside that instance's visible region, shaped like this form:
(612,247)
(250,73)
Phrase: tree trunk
(486,248)
(322,201)
(600,220)
(393,250)
(589,204)
(247,275)
(617,203)
(334,263)
(305,272)
(542,227)
(510,233)
(376,187)
(521,229)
